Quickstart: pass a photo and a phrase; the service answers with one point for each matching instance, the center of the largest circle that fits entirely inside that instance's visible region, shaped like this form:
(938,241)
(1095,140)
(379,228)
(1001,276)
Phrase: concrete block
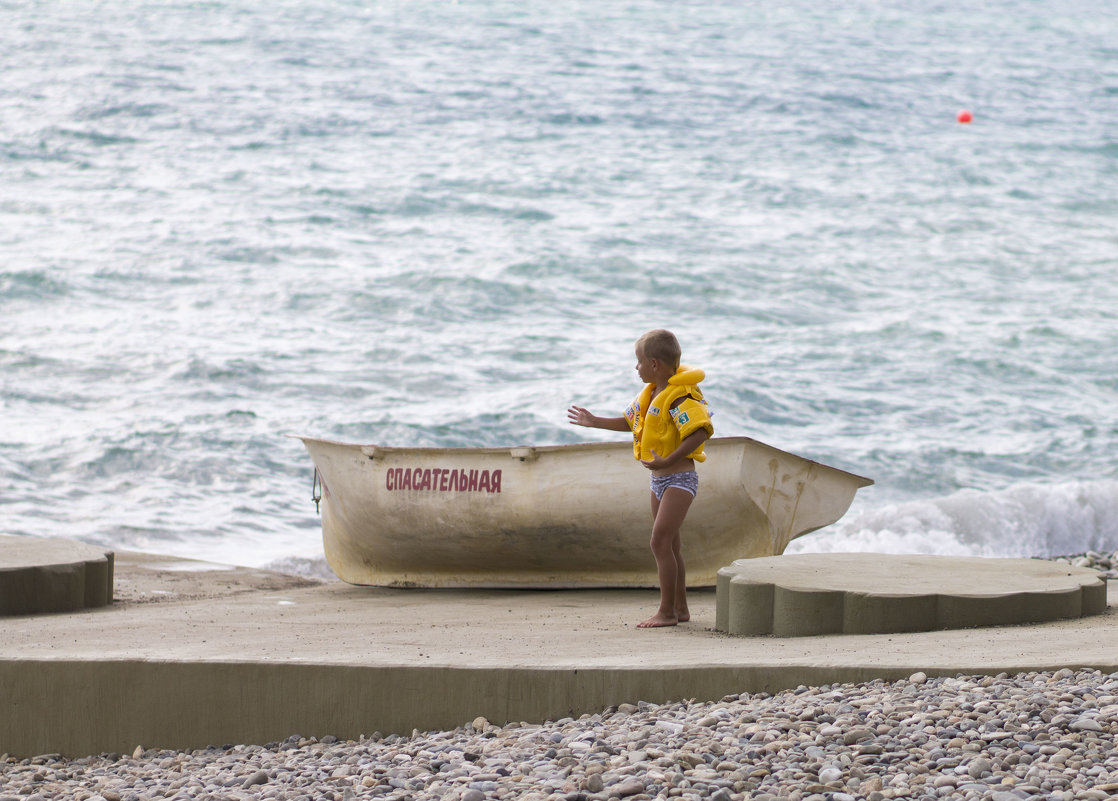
(40,575)
(815,594)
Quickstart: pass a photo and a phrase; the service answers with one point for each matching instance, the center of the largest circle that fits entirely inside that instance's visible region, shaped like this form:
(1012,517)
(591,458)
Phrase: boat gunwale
(509,449)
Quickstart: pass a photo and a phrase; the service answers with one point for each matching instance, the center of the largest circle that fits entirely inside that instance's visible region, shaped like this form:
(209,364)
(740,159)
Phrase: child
(670,423)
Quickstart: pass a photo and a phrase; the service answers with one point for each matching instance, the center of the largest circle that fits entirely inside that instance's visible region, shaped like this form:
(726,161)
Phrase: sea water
(440,223)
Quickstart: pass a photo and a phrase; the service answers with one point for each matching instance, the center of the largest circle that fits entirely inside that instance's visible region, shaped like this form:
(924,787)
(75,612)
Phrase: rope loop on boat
(316,490)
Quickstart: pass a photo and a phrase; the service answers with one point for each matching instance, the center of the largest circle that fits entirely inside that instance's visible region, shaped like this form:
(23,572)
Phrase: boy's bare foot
(682,616)
(658,621)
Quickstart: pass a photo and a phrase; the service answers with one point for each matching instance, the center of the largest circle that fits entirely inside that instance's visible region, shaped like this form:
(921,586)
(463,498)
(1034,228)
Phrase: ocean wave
(32,284)
(307,567)
(1024,520)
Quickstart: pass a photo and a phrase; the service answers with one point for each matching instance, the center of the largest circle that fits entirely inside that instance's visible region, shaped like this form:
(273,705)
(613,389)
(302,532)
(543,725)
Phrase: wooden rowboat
(556,516)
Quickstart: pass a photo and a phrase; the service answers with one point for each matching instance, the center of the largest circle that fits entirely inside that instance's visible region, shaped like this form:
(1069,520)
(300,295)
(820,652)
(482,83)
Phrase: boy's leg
(682,613)
(668,515)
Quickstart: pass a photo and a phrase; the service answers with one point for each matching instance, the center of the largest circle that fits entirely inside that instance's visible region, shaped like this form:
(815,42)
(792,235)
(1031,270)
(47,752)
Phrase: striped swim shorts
(688,481)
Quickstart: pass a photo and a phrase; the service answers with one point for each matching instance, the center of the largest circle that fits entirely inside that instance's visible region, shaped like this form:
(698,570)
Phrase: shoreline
(1046,735)
(314,570)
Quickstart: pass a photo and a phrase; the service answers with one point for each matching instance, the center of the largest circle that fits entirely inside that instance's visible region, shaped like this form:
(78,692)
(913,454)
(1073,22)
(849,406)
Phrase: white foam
(1020,521)
(307,567)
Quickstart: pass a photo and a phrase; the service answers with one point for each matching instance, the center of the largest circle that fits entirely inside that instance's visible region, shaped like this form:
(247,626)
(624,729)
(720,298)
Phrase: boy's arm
(581,417)
(688,445)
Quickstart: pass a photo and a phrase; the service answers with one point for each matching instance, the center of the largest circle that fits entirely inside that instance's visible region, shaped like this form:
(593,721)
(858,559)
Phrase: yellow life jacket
(660,424)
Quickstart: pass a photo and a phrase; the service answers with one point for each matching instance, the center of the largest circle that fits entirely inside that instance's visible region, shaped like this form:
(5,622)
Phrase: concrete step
(52,575)
(800,595)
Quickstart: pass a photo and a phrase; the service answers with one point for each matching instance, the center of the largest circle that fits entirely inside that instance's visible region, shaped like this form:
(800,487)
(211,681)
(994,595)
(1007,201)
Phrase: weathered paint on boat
(556,516)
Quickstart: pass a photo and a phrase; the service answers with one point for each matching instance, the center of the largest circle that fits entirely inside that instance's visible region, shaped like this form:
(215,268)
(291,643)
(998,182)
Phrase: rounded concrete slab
(861,593)
(52,575)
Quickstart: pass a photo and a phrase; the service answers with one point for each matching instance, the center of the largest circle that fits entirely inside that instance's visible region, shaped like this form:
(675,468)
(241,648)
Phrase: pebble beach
(1005,737)
(1105,563)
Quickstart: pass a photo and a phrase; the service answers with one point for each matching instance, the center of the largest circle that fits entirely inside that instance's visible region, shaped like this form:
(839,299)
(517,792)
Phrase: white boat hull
(556,516)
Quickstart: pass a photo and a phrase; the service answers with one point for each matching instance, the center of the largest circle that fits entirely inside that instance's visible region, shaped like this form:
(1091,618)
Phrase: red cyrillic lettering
(441,479)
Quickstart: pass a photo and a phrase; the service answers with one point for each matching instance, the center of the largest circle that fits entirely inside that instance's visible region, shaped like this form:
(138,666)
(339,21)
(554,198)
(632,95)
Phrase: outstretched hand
(580,417)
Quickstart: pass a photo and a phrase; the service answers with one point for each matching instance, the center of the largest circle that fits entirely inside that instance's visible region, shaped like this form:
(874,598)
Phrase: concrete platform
(857,593)
(52,575)
(192,654)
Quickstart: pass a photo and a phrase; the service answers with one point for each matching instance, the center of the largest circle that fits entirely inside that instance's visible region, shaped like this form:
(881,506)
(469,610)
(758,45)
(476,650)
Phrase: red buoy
(964,116)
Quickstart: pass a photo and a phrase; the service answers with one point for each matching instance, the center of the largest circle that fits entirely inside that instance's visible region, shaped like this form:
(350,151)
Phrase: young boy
(670,423)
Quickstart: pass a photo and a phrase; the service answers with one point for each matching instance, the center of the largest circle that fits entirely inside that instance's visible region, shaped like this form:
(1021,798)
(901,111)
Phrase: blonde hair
(662,345)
